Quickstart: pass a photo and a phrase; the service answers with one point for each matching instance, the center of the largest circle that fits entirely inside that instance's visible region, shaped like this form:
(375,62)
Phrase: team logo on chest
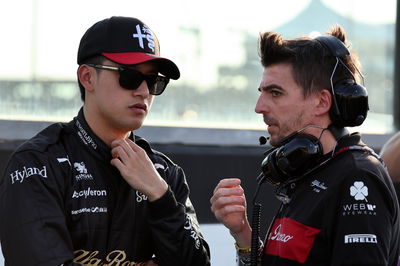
(83,174)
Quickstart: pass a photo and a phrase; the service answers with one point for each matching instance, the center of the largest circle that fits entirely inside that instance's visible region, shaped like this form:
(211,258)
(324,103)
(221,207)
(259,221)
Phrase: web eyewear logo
(359,191)
(146,35)
(81,168)
(21,175)
(360,238)
(359,209)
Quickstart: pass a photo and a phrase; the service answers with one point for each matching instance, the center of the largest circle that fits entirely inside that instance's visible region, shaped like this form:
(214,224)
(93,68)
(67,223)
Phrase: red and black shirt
(344,213)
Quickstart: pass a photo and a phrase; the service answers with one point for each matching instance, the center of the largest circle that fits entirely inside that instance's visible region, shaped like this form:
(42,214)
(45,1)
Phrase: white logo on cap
(359,191)
(145,35)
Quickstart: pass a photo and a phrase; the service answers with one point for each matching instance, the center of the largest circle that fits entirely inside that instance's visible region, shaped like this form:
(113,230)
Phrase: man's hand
(228,204)
(137,169)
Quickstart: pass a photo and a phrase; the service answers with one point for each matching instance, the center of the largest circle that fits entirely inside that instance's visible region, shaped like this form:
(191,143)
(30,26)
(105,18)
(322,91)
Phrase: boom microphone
(263,140)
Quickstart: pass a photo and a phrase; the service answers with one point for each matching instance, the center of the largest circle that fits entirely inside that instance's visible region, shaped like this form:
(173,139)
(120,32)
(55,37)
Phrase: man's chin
(274,141)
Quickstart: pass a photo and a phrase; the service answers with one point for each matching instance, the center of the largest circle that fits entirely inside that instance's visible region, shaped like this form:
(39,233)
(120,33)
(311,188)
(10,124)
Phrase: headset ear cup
(271,170)
(352,101)
(292,159)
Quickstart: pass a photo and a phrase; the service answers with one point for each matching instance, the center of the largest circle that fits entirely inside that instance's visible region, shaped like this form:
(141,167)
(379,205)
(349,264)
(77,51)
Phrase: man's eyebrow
(270,87)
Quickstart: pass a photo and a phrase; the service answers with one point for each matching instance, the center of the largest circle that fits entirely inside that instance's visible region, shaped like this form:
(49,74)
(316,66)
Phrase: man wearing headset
(338,202)
(90,192)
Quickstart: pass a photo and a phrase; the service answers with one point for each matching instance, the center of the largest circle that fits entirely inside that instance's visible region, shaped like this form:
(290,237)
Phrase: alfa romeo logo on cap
(142,34)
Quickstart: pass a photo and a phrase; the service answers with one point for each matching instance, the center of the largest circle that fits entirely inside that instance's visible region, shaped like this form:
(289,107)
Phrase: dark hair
(98,59)
(312,62)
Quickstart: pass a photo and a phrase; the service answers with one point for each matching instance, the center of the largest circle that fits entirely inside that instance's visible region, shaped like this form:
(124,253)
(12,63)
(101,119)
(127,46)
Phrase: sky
(39,38)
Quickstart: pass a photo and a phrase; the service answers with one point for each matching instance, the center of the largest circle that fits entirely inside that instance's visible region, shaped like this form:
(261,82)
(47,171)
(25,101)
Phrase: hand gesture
(137,168)
(228,204)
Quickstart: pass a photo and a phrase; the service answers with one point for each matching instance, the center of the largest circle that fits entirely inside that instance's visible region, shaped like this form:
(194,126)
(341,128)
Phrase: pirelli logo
(360,238)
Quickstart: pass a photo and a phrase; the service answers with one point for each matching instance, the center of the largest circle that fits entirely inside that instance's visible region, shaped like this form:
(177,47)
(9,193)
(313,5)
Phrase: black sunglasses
(131,79)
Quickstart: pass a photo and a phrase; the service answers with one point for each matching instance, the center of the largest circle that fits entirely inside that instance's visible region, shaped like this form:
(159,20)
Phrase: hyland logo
(21,175)
(359,209)
(147,35)
(359,191)
(360,238)
(89,193)
(81,168)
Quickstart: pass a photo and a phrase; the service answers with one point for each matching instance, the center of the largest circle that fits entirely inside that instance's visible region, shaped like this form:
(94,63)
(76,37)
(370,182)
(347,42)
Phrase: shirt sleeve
(175,229)
(33,230)
(366,225)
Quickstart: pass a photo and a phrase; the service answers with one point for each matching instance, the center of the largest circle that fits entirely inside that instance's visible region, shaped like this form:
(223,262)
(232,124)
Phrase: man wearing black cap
(90,192)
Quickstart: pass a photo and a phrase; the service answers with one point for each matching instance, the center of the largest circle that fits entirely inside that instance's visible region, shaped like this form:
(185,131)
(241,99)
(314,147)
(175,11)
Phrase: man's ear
(324,102)
(85,76)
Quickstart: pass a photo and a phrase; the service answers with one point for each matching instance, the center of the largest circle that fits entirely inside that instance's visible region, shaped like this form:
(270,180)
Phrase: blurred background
(205,121)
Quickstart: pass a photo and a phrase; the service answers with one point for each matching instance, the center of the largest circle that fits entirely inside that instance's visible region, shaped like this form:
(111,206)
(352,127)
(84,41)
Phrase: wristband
(242,250)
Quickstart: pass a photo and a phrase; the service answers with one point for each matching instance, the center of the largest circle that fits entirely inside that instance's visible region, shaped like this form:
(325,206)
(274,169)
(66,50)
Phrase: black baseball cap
(126,41)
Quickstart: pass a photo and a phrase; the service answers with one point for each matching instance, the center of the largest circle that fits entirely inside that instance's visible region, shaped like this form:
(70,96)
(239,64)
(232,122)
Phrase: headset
(297,153)
(296,156)
(350,101)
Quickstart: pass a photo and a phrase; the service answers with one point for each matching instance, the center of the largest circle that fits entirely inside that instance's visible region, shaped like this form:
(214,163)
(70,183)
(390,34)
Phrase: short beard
(288,128)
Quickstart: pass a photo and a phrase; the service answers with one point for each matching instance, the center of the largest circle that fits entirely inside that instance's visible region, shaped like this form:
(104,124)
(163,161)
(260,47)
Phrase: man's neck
(102,129)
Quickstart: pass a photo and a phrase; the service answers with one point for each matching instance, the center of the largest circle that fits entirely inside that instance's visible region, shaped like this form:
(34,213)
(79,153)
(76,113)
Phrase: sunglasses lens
(157,84)
(130,79)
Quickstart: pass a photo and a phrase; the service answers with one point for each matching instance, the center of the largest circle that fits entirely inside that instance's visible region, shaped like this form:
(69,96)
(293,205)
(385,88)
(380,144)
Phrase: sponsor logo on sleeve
(140,196)
(359,209)
(290,239)
(193,233)
(359,191)
(360,238)
(26,172)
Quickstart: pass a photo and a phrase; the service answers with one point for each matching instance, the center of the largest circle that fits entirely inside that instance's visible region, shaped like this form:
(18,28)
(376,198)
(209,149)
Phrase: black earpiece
(292,159)
(350,101)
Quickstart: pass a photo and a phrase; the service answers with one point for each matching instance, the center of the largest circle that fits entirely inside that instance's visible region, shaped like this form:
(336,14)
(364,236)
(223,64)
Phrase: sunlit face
(282,103)
(117,108)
